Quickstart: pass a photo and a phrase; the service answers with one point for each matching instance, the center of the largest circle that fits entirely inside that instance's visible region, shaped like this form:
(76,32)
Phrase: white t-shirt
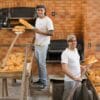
(43,24)
(72,59)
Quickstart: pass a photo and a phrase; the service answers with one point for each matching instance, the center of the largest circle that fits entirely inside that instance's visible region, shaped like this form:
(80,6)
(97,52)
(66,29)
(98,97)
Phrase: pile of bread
(97,89)
(19,29)
(94,75)
(91,59)
(15,62)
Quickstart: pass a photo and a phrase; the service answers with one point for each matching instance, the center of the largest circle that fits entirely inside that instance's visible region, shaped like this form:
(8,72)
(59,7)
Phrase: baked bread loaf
(91,59)
(94,76)
(19,29)
(26,24)
(97,89)
(14,63)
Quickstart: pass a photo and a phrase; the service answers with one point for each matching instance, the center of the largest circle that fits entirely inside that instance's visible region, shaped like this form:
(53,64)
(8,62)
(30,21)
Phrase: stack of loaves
(14,63)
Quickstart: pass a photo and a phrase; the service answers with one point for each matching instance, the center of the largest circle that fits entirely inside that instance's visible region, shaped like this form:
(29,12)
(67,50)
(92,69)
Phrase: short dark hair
(41,6)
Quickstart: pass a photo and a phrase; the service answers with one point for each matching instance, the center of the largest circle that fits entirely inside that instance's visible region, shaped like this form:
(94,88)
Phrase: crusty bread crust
(90,59)
(26,24)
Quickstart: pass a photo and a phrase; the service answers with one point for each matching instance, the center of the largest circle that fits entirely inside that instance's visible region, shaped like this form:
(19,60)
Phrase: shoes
(39,85)
(44,88)
(37,82)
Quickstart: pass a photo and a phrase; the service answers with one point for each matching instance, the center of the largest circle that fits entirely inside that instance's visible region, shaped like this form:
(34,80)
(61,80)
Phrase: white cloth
(43,24)
(72,59)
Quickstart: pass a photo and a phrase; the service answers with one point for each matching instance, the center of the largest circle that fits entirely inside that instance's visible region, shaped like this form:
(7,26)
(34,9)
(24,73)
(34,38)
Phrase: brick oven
(81,17)
(9,16)
(57,46)
(69,16)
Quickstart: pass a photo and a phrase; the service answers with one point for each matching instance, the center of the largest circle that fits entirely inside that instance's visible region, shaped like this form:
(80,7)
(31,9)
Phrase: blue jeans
(68,86)
(41,54)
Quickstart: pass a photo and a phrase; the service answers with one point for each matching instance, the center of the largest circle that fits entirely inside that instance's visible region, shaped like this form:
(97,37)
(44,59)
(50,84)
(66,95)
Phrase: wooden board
(10,74)
(25,75)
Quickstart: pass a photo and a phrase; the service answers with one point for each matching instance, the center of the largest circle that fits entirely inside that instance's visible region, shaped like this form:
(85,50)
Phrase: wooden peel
(26,24)
(18,30)
(9,50)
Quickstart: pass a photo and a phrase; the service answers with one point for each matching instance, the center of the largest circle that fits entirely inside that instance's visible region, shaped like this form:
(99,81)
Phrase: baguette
(26,24)
(91,59)
(19,29)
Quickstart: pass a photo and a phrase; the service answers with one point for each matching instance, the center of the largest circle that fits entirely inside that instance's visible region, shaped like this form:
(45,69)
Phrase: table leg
(4,87)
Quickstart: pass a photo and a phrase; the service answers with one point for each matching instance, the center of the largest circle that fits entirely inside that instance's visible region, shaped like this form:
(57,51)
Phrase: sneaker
(32,84)
(41,87)
(37,82)
(44,88)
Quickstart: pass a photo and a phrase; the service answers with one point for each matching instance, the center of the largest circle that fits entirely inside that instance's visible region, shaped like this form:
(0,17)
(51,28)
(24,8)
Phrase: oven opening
(57,46)
(9,17)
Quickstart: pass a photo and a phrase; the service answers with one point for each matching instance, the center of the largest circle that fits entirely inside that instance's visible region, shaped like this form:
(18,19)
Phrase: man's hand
(85,67)
(78,79)
(48,33)
(36,30)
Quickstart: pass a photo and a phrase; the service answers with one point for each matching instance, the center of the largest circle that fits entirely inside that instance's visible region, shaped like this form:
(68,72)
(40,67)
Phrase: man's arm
(29,26)
(68,73)
(48,33)
(84,68)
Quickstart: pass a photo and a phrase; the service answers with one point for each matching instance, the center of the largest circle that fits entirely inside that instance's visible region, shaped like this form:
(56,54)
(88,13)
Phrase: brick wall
(67,17)
(92,28)
(71,16)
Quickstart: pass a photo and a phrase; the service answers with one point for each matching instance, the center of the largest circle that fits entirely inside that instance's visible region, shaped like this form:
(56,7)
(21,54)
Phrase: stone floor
(14,91)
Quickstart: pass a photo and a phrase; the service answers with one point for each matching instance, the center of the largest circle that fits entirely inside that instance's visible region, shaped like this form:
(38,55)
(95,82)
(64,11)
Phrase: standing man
(43,30)
(70,60)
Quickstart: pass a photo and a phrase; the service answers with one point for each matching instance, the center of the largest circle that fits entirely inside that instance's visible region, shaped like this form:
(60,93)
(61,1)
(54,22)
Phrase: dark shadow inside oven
(57,46)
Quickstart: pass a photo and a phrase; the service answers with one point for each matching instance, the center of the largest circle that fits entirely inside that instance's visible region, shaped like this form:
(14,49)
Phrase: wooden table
(24,75)
(4,76)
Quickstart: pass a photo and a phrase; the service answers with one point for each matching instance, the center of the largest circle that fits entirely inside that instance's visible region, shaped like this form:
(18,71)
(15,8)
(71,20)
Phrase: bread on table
(14,63)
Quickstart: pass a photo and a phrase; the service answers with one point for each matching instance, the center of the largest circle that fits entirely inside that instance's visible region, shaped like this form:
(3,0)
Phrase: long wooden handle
(26,24)
(9,50)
